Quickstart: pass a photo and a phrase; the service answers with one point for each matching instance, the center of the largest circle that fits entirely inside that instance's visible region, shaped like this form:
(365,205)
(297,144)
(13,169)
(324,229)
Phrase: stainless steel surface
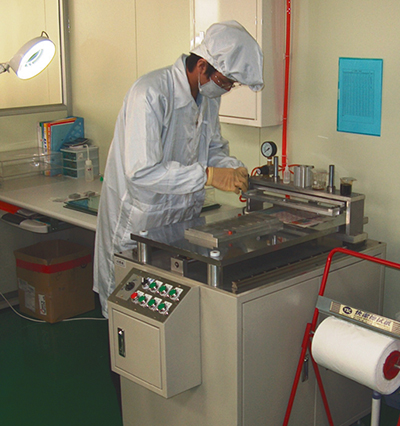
(142,252)
(283,222)
(298,202)
(331,179)
(303,176)
(349,210)
(142,249)
(172,239)
(214,272)
(276,169)
(179,265)
(295,222)
(226,231)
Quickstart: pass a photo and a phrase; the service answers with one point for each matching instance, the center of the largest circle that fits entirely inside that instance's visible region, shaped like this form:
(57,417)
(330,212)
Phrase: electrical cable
(253,172)
(84,318)
(41,321)
(16,312)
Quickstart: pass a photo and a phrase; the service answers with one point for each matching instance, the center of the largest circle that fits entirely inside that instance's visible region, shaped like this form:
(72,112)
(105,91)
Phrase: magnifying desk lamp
(32,58)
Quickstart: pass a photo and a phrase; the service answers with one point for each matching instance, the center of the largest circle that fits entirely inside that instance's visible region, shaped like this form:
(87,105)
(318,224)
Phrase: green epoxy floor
(389,417)
(58,375)
(55,374)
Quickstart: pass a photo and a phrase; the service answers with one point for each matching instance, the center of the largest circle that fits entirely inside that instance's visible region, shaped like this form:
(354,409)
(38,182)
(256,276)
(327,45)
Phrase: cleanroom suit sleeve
(156,156)
(218,152)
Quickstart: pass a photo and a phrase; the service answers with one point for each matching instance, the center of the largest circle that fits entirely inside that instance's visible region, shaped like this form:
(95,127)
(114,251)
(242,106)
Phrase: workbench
(38,193)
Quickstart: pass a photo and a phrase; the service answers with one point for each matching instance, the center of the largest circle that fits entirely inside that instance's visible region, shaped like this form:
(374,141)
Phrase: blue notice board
(360,96)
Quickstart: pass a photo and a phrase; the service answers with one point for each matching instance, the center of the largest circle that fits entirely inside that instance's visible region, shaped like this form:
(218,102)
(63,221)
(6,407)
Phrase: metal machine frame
(347,210)
(245,304)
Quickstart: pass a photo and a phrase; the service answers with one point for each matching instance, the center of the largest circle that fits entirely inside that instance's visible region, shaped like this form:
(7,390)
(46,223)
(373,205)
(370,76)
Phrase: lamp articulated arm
(4,68)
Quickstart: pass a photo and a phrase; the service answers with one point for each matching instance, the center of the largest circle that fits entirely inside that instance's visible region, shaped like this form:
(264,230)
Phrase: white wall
(323,32)
(105,61)
(19,131)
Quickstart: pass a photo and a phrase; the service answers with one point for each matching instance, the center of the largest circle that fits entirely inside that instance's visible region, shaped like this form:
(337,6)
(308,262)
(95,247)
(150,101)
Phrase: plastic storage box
(79,164)
(79,173)
(29,162)
(74,161)
(76,154)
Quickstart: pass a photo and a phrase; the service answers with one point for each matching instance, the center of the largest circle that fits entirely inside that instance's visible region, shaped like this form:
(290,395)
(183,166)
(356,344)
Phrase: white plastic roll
(356,353)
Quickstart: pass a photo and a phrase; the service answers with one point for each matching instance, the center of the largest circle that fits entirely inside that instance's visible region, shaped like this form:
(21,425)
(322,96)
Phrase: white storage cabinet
(265,21)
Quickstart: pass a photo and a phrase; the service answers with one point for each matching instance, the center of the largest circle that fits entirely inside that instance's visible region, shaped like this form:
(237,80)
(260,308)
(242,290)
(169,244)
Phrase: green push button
(142,299)
(161,306)
(162,289)
(151,303)
(153,284)
(172,292)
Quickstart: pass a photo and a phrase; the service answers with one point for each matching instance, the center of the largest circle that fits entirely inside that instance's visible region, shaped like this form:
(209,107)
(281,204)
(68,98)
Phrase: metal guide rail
(348,211)
(297,201)
(213,235)
(277,218)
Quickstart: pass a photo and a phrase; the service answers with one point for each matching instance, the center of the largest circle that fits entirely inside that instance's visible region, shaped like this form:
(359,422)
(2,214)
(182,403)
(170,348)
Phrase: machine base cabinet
(155,333)
(250,345)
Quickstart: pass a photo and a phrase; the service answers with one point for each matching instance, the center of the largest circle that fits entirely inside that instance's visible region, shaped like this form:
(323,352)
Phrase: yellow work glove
(234,180)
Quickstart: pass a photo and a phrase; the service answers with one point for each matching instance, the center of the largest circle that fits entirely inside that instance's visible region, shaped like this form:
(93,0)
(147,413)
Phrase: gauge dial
(269,149)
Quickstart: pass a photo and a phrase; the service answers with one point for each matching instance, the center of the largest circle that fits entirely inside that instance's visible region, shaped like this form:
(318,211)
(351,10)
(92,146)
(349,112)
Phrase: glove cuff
(210,172)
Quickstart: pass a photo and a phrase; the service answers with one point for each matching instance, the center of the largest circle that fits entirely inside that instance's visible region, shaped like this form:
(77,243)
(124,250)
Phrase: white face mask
(211,89)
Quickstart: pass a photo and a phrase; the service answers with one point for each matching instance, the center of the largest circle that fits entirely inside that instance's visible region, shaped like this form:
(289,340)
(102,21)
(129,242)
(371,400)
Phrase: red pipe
(286,89)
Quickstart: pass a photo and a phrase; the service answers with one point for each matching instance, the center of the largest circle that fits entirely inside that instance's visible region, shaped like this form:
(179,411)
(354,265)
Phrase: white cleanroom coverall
(156,167)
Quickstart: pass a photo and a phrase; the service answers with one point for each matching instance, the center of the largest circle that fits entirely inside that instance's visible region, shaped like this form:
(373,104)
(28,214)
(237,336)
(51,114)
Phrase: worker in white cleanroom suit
(167,144)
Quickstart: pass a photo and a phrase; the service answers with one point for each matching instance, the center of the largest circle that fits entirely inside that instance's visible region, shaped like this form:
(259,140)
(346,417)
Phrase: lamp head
(33,57)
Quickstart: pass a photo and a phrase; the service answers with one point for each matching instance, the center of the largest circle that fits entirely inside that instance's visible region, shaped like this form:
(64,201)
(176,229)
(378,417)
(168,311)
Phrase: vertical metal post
(214,272)
(376,408)
(276,169)
(331,184)
(143,251)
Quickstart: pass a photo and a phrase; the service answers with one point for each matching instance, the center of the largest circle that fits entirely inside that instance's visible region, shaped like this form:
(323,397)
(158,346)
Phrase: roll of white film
(365,356)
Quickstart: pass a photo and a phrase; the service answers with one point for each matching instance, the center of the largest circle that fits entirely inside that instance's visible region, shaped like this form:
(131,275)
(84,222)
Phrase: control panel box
(155,330)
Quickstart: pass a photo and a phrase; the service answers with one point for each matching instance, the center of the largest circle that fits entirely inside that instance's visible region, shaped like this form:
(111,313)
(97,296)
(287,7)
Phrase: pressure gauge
(269,149)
